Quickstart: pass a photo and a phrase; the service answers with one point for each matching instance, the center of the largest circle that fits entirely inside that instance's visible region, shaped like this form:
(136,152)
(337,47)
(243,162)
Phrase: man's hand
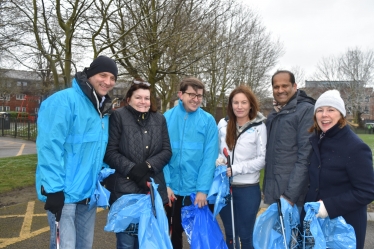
(171,195)
(200,199)
(322,212)
(55,203)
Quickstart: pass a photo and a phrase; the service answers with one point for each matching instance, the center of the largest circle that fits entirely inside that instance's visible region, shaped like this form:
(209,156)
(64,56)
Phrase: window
(4,108)
(19,83)
(20,109)
(24,83)
(20,96)
(5,97)
(36,110)
(9,84)
(366,110)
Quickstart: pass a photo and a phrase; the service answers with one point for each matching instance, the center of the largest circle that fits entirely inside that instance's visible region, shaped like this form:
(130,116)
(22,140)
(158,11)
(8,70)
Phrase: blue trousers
(77,225)
(246,203)
(126,241)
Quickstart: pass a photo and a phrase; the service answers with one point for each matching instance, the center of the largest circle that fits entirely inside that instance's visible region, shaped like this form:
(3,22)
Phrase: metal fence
(24,128)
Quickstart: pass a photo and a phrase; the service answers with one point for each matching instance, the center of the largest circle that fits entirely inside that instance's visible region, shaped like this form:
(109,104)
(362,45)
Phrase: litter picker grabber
(231,199)
(282,222)
(171,216)
(152,194)
(57,231)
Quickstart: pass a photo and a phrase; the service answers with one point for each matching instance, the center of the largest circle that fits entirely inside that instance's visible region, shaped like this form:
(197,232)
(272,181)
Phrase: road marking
(21,150)
(25,232)
(27,221)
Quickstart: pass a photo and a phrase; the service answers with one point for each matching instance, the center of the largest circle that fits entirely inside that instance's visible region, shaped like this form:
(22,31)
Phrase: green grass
(17,172)
(368,139)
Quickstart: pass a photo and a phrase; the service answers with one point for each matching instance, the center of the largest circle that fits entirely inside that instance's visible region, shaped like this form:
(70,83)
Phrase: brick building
(19,91)
(354,94)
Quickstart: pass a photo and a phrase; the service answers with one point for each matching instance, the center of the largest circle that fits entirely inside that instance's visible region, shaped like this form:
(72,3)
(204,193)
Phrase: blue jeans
(77,226)
(126,241)
(246,203)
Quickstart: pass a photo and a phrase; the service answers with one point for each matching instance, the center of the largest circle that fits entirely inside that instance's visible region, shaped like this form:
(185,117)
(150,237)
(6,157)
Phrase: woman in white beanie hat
(341,170)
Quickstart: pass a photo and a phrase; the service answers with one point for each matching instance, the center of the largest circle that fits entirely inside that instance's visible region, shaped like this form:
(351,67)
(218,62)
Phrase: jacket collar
(87,89)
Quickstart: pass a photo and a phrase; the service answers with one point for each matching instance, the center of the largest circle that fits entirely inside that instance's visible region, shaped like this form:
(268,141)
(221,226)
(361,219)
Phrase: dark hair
(292,76)
(195,83)
(134,87)
(315,127)
(231,126)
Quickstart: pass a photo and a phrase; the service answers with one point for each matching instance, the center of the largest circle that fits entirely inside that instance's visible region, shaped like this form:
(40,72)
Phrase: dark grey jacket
(135,140)
(288,149)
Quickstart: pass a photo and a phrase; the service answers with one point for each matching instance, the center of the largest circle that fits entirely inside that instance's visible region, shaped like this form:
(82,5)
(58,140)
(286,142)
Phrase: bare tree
(158,38)
(246,56)
(350,73)
(58,31)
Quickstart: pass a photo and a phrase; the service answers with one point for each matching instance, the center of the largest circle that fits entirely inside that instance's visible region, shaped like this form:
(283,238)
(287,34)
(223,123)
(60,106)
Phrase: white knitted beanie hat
(331,98)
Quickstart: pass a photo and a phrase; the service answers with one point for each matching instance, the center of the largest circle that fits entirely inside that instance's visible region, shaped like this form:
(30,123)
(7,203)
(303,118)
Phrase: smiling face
(102,82)
(191,104)
(140,100)
(241,108)
(327,117)
(283,90)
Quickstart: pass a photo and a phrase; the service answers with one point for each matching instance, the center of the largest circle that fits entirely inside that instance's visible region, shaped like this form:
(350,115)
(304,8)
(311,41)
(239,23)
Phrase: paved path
(10,147)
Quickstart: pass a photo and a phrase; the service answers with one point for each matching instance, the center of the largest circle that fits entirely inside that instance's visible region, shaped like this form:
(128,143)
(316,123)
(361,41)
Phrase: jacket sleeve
(113,157)
(359,169)
(255,164)
(54,122)
(298,181)
(159,160)
(166,169)
(206,171)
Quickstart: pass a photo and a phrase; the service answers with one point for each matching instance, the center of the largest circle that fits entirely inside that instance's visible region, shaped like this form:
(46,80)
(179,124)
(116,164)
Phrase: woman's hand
(228,172)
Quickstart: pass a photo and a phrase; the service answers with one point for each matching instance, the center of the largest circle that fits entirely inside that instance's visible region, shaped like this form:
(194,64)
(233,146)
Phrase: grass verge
(17,172)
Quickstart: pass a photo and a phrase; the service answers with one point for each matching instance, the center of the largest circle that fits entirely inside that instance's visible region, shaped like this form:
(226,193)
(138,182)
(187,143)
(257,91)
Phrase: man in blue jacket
(71,143)
(194,140)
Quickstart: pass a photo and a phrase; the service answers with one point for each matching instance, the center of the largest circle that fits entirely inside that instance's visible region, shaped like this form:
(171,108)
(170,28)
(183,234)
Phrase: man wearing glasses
(194,141)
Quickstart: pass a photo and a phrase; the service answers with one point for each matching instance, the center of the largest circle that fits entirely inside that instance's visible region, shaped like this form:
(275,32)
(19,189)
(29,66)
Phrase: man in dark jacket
(288,148)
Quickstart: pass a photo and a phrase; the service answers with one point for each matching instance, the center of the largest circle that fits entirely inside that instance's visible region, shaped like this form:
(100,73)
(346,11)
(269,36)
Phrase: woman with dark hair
(243,133)
(138,148)
(341,173)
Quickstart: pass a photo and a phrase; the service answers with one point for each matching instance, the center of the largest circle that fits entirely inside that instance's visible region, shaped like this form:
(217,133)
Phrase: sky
(313,29)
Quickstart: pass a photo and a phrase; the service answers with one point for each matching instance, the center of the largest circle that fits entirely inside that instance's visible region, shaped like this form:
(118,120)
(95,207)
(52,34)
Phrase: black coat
(341,175)
(134,140)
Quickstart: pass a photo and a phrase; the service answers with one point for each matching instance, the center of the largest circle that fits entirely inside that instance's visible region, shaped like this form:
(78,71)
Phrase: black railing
(18,127)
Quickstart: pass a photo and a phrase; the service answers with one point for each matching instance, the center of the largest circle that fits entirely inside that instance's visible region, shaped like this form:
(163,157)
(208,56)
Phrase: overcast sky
(313,29)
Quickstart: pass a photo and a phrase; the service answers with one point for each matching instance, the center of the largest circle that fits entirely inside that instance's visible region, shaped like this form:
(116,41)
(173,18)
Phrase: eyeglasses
(194,95)
(137,82)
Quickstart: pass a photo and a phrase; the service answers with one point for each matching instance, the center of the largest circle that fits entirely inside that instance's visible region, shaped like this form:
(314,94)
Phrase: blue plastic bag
(203,232)
(267,232)
(100,196)
(219,191)
(137,208)
(326,233)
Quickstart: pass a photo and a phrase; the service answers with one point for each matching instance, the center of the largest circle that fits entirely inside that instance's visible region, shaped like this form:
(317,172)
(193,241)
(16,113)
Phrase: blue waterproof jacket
(194,142)
(71,142)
